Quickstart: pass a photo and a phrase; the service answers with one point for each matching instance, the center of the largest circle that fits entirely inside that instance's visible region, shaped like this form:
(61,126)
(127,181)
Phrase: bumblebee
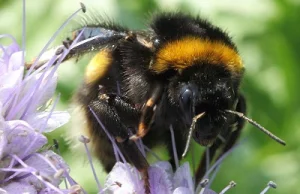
(183,72)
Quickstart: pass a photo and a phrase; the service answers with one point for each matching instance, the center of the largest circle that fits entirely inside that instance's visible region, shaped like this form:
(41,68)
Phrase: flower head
(24,117)
(26,112)
(126,179)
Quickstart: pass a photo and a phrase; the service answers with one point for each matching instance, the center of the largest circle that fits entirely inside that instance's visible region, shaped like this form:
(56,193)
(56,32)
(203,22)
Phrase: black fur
(215,89)
(170,26)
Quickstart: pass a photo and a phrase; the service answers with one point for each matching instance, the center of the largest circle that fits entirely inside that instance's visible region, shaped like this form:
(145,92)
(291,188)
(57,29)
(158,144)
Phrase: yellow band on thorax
(188,51)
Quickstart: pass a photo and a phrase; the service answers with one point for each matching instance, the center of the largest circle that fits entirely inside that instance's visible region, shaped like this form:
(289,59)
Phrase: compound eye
(186,103)
(186,97)
(156,42)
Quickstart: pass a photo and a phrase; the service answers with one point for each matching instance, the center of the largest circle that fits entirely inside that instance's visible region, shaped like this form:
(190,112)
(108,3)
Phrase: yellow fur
(98,66)
(188,51)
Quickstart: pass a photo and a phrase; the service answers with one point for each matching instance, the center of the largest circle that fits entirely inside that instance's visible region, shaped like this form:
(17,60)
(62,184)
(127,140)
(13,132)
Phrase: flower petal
(128,179)
(17,136)
(159,180)
(15,61)
(165,166)
(56,120)
(42,90)
(8,83)
(47,164)
(5,56)
(183,177)
(19,187)
(182,190)
(209,191)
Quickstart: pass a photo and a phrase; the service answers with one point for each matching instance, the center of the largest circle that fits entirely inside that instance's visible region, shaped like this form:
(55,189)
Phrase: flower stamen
(85,141)
(270,184)
(231,185)
(174,147)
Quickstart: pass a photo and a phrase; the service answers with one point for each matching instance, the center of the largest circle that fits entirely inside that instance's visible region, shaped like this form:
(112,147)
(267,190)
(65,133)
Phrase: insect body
(182,72)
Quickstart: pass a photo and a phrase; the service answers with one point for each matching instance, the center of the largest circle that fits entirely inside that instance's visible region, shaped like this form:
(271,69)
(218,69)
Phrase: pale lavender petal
(19,187)
(9,50)
(15,61)
(46,89)
(209,191)
(8,87)
(42,92)
(47,164)
(182,190)
(166,167)
(183,177)
(159,181)
(128,177)
(6,96)
(11,79)
(64,191)
(17,136)
(2,121)
(3,65)
(56,120)
(3,145)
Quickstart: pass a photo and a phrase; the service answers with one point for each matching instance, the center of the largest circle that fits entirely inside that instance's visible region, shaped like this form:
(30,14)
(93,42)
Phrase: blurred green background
(267,34)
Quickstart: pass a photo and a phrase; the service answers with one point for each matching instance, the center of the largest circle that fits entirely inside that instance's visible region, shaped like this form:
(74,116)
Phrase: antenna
(187,145)
(241,115)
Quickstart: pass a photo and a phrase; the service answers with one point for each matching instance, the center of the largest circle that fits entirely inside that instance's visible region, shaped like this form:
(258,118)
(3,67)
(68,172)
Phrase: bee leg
(108,115)
(234,133)
(148,113)
(125,110)
(111,109)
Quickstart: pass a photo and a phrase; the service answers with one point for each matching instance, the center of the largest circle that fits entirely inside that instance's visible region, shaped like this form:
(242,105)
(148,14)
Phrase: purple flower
(24,116)
(125,179)
(26,112)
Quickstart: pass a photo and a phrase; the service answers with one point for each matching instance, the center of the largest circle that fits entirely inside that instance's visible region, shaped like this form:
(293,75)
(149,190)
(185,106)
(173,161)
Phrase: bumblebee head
(205,67)
(203,89)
